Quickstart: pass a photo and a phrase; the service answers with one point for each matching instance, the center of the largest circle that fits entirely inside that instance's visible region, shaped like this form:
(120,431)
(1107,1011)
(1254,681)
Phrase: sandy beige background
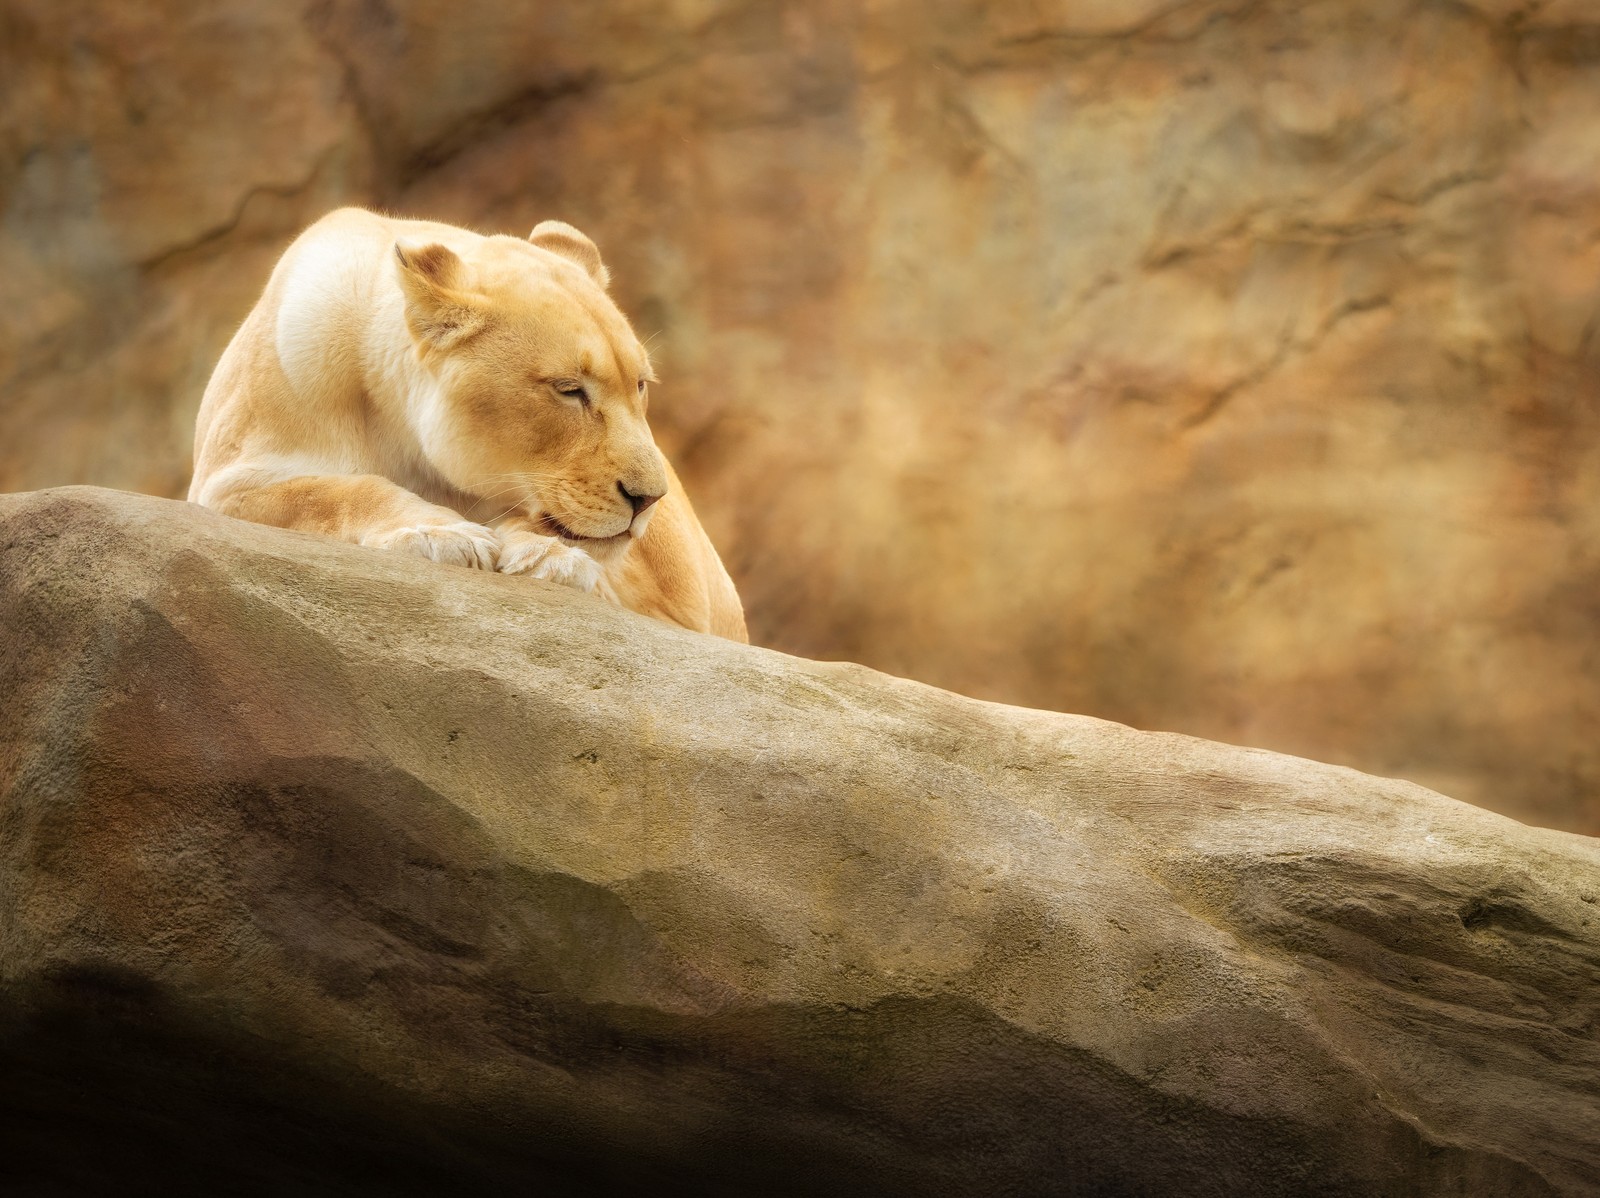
(1222,367)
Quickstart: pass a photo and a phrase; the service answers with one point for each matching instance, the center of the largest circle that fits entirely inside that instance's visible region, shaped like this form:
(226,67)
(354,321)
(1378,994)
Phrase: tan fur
(474,400)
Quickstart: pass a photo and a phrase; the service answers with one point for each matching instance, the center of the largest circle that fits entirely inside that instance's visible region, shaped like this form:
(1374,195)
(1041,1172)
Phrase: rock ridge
(327,869)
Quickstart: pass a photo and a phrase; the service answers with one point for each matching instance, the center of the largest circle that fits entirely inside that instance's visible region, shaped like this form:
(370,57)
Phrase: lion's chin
(599,548)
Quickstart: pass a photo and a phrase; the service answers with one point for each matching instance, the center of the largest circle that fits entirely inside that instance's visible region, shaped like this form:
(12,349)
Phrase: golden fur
(474,400)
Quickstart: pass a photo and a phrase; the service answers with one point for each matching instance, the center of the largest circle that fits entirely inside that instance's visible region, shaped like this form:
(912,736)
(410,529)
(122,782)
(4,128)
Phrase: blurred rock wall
(1222,367)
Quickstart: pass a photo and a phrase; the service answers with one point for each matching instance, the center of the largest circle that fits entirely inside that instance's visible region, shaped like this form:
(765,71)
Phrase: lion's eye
(641,386)
(573,391)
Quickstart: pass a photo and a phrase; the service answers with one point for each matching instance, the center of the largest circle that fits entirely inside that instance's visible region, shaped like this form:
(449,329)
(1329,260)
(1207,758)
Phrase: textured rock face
(326,871)
(1226,368)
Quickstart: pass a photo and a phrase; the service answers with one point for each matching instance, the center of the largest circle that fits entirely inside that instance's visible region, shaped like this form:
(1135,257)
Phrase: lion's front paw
(548,558)
(459,544)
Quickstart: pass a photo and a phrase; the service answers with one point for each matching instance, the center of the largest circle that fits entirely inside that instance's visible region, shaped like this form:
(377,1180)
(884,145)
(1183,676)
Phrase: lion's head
(536,386)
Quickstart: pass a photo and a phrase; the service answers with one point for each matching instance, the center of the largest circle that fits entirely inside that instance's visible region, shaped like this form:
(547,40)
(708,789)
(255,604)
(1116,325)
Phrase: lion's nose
(639,502)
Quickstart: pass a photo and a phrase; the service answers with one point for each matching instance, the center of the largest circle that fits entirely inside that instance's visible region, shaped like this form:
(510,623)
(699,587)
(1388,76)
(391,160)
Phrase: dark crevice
(467,131)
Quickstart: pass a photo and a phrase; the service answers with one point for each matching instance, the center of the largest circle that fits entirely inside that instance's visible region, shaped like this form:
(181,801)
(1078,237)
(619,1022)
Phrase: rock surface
(326,871)
(1227,368)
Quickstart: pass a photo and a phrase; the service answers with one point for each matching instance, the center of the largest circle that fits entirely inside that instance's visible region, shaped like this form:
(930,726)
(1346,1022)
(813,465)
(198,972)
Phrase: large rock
(328,871)
(1216,367)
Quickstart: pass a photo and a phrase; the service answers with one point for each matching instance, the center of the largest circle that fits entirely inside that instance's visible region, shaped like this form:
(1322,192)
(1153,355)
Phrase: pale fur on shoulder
(475,400)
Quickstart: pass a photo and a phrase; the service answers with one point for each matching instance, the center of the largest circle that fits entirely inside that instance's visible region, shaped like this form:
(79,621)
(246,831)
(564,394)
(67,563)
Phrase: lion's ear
(438,311)
(561,238)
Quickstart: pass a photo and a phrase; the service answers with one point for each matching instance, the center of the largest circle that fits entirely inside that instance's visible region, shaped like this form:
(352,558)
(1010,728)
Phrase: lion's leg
(364,509)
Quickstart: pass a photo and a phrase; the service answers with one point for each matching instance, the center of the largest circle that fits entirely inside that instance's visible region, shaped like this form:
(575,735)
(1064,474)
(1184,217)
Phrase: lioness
(475,400)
